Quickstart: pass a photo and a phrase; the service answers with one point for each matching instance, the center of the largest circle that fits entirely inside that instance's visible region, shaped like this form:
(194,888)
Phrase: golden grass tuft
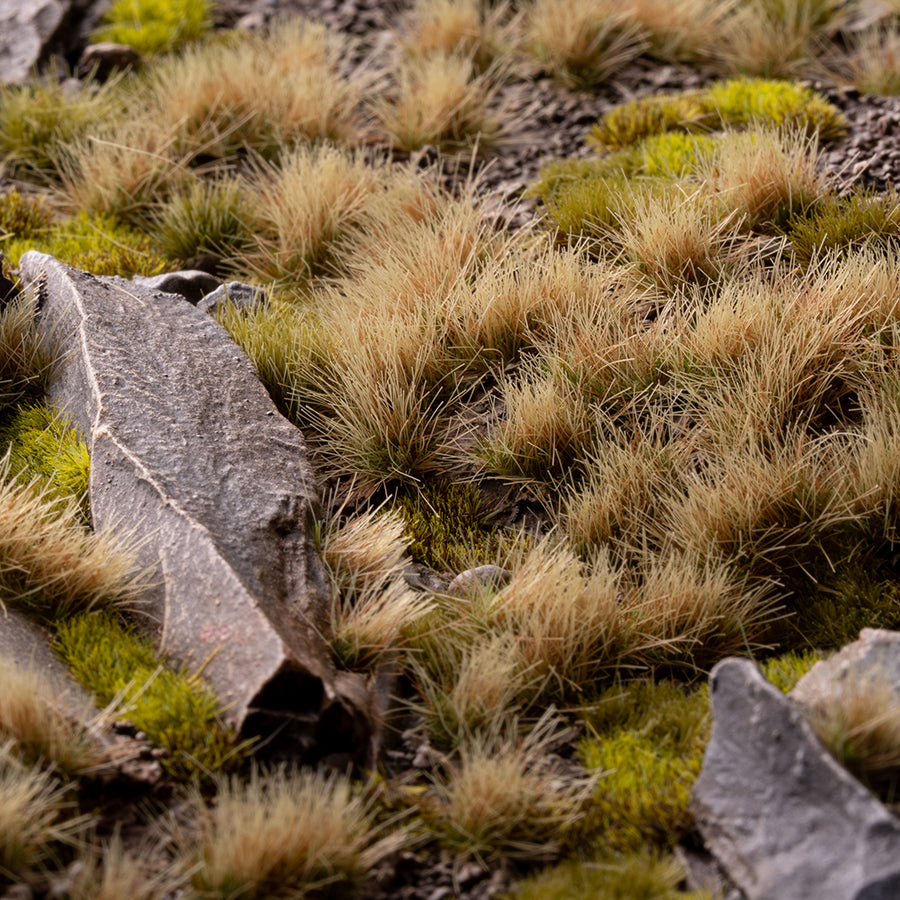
(33,806)
(284,835)
(440,101)
(582,42)
(47,727)
(52,565)
(373,606)
(502,799)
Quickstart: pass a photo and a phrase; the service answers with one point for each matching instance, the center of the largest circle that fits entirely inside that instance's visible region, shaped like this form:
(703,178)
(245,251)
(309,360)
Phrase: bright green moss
(740,102)
(176,710)
(842,224)
(98,244)
(648,739)
(155,26)
(631,123)
(786,670)
(44,447)
(674,153)
(737,103)
(644,875)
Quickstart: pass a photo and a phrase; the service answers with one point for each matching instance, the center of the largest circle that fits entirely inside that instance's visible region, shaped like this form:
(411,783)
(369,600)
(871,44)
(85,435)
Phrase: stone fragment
(191,284)
(491,576)
(876,655)
(188,452)
(27,28)
(784,820)
(238,294)
(106,58)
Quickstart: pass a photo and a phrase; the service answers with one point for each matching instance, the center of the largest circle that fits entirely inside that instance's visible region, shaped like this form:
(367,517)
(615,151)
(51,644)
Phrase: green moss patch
(155,26)
(97,244)
(44,447)
(175,709)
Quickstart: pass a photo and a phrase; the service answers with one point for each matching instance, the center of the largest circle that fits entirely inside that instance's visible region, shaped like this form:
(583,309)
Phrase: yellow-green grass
(154,26)
(175,708)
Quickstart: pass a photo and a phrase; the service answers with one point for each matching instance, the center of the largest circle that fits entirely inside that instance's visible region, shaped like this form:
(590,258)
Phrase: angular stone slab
(786,821)
(189,452)
(26,27)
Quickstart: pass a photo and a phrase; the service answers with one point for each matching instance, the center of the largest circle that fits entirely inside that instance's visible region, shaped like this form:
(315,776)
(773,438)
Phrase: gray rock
(492,576)
(188,452)
(27,28)
(784,820)
(191,284)
(236,293)
(876,655)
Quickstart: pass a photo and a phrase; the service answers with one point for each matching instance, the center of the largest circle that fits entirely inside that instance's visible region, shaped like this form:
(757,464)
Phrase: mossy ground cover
(672,414)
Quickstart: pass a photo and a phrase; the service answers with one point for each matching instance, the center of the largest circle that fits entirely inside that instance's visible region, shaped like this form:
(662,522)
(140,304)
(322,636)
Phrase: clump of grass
(777,38)
(674,153)
(473,29)
(177,710)
(441,101)
(284,835)
(874,60)
(122,172)
(630,123)
(582,43)
(304,208)
(469,687)
(105,870)
(99,244)
(44,448)
(843,224)
(646,745)
(34,821)
(262,92)
(45,727)
(208,217)
(500,799)
(570,626)
(670,26)
(546,427)
(373,609)
(644,875)
(764,177)
(155,26)
(24,361)
(50,564)
(39,118)
(675,241)
(23,215)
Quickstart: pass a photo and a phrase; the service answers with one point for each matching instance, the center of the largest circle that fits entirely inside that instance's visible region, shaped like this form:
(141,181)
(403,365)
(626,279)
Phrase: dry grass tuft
(440,101)
(470,28)
(52,565)
(503,799)
(32,817)
(45,726)
(373,607)
(582,42)
(262,92)
(283,836)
